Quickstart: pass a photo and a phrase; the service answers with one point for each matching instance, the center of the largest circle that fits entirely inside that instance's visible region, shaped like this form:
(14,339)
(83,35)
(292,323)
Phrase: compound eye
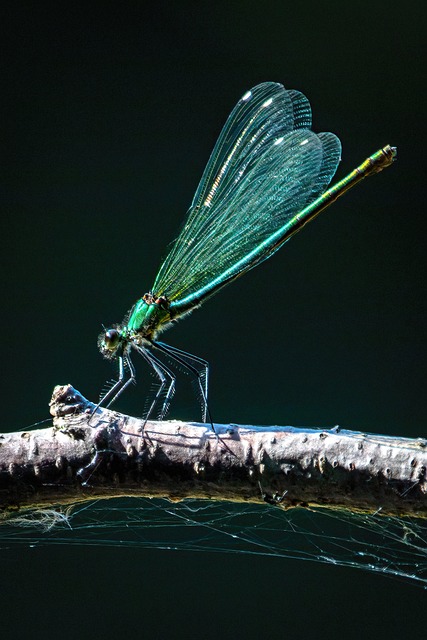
(111,339)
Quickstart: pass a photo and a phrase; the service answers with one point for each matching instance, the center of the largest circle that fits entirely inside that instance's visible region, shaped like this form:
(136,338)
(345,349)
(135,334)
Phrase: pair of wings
(266,166)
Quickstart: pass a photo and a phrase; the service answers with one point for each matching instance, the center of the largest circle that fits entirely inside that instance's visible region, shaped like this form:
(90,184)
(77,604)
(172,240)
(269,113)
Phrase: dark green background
(110,111)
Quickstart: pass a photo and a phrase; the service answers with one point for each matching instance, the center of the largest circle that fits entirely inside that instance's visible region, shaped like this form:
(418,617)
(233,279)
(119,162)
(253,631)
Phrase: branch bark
(111,455)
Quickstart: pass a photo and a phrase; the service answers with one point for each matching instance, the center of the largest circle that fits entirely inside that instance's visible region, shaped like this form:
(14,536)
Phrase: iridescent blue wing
(266,166)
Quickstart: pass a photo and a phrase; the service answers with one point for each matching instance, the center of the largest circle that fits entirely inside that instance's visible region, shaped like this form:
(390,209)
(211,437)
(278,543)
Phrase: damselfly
(266,178)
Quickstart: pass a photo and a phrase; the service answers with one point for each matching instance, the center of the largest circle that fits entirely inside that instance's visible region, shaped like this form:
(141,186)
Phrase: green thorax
(149,316)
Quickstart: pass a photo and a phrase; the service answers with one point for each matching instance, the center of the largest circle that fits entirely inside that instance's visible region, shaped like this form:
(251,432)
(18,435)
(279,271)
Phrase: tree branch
(112,455)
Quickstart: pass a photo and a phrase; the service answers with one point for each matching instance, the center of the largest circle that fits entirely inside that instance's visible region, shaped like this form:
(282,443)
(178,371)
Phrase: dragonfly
(266,178)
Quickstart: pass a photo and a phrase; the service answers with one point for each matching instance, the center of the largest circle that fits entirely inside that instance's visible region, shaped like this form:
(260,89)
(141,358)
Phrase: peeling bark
(111,455)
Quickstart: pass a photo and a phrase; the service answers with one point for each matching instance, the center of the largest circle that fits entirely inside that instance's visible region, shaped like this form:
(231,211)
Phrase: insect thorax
(149,316)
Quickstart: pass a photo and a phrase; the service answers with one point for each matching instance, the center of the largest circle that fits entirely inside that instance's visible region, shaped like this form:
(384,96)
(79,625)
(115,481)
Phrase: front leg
(119,386)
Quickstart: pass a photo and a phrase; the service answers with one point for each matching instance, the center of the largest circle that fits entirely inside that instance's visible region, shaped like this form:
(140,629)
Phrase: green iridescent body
(148,319)
(267,177)
(149,316)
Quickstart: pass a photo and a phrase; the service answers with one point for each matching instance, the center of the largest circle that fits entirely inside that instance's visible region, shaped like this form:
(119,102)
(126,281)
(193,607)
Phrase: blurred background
(109,114)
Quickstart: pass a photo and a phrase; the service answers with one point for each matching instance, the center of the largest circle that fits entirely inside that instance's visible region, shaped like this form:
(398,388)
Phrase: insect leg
(124,383)
(119,386)
(187,360)
(163,373)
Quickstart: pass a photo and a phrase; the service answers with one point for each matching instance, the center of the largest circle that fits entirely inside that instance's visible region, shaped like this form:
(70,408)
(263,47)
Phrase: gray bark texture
(110,455)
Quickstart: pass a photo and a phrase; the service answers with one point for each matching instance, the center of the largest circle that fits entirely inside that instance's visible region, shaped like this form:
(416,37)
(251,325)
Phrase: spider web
(372,542)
